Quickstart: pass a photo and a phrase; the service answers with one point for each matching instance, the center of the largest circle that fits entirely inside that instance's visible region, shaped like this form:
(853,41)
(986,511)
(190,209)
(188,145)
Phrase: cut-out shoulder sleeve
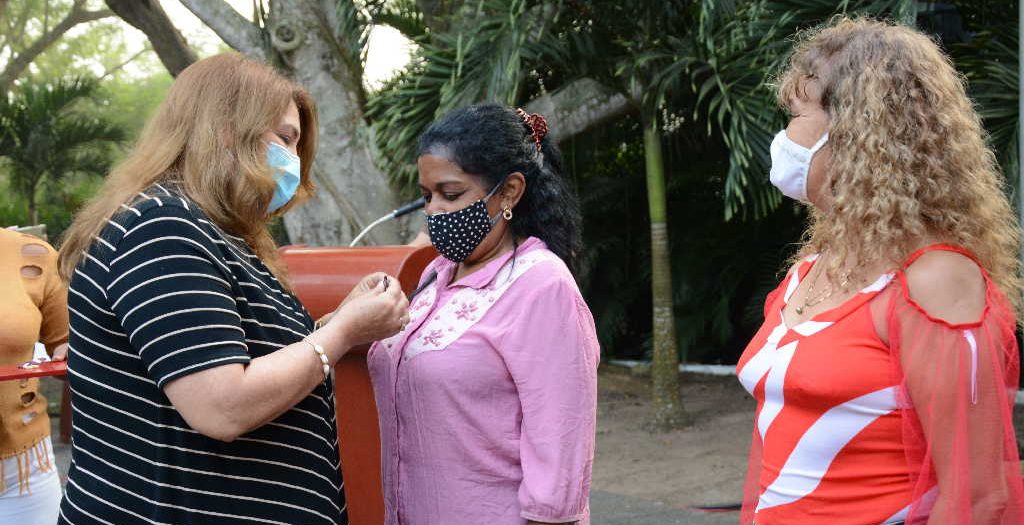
(947,286)
(956,362)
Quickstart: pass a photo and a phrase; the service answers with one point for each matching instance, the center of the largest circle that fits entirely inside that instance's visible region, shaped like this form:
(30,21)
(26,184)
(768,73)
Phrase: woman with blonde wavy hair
(887,363)
(202,392)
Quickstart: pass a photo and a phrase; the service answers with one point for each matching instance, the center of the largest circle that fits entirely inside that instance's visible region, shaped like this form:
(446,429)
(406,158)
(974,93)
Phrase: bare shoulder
(948,285)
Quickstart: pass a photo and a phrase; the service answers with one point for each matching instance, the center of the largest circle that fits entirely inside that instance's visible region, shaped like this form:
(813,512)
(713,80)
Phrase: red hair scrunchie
(537,123)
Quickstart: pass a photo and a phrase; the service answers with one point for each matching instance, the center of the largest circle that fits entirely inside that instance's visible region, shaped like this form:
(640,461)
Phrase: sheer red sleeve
(957,384)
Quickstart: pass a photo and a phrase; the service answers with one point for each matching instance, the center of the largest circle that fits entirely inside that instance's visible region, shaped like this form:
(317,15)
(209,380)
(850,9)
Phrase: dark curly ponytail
(492,141)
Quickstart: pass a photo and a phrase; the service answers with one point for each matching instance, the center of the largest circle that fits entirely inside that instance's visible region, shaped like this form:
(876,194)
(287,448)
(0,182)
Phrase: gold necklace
(810,300)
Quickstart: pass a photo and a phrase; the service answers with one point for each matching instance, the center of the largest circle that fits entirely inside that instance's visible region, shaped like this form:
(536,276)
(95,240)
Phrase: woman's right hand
(366,284)
(371,315)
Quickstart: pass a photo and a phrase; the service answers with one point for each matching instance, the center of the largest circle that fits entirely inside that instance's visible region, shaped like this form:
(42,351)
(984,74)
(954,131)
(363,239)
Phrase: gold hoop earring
(507,213)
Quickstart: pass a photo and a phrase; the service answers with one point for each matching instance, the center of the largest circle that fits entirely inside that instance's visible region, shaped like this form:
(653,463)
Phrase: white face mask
(790,164)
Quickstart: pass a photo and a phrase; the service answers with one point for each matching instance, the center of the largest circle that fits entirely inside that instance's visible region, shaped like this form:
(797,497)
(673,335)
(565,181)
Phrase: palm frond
(728,64)
(351,33)
(403,15)
(77,131)
(486,60)
(31,103)
(990,64)
(43,135)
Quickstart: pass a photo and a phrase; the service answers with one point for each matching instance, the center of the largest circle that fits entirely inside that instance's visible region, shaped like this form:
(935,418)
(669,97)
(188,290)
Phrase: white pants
(31,500)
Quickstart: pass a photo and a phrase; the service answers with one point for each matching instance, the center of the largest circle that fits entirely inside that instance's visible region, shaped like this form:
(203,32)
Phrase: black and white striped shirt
(162,294)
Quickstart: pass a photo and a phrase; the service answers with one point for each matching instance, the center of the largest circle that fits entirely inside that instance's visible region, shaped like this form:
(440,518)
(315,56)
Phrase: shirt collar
(483,277)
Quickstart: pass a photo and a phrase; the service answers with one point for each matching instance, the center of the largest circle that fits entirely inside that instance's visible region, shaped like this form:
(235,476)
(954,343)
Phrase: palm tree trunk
(668,406)
(33,210)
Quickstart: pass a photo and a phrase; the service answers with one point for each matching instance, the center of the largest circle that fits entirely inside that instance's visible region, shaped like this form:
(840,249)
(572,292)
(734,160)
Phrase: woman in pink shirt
(487,398)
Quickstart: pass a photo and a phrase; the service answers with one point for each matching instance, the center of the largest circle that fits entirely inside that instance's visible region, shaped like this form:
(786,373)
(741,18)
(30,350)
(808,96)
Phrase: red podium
(321,278)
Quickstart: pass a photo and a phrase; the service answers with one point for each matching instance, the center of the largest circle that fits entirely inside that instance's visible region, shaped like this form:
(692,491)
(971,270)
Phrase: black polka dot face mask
(457,234)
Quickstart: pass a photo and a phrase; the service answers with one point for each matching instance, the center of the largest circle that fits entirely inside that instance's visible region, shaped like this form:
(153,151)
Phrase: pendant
(799,310)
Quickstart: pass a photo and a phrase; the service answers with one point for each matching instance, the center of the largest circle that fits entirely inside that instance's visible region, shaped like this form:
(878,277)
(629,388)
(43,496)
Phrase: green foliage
(22,21)
(487,58)
(721,270)
(985,48)
(129,102)
(705,69)
(59,136)
(351,34)
(990,65)
(56,205)
(403,15)
(97,48)
(727,63)
(607,168)
(43,137)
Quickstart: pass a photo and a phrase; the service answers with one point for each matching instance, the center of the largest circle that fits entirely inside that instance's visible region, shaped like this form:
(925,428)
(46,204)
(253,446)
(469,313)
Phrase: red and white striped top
(854,428)
(827,414)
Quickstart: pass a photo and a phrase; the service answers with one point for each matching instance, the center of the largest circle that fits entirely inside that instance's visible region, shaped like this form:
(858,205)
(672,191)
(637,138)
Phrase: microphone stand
(404,210)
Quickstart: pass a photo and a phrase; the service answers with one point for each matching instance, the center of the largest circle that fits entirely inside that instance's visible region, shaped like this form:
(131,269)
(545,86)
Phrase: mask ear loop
(496,218)
(820,144)
(495,189)
(814,149)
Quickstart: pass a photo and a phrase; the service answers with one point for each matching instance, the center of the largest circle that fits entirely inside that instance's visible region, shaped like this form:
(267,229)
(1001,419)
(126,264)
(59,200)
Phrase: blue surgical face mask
(285,166)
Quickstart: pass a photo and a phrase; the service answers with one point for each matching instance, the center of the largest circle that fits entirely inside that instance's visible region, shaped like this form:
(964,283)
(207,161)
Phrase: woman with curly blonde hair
(887,364)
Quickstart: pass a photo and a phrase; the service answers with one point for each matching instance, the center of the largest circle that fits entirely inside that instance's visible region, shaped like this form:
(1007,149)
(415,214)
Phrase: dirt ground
(701,464)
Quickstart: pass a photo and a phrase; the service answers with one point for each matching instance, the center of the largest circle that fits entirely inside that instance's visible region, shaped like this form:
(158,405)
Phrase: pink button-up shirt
(488,399)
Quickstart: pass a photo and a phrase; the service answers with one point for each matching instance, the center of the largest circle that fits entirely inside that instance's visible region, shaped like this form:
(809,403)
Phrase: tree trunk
(352,191)
(33,211)
(668,406)
(579,106)
(147,16)
(233,28)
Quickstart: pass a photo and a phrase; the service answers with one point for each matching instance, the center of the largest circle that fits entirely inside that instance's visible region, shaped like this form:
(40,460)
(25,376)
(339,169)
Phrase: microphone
(398,212)
(409,208)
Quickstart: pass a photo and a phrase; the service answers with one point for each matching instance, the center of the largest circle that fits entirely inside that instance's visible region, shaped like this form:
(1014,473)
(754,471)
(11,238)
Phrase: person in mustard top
(33,307)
